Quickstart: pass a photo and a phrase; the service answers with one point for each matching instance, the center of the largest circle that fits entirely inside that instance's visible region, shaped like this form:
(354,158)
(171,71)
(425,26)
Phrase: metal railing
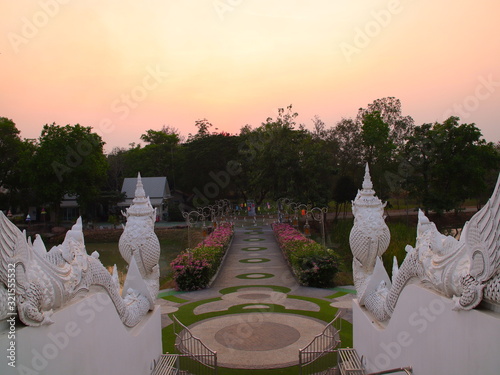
(195,357)
(406,370)
(168,364)
(349,363)
(319,356)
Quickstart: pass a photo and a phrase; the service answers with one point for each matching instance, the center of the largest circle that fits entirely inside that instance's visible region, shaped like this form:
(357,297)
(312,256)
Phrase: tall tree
(279,160)
(208,167)
(166,136)
(10,151)
(69,160)
(157,158)
(449,163)
(14,153)
(346,144)
(389,108)
(378,150)
(203,126)
(377,144)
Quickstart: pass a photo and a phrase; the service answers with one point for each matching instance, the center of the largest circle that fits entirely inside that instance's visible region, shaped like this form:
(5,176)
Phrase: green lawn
(172,243)
(186,315)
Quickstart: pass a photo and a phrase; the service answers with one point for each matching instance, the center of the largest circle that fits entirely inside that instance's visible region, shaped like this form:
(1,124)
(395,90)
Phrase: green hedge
(313,264)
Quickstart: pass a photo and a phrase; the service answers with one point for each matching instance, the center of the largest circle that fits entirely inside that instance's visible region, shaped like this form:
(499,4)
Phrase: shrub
(190,273)
(313,264)
(194,268)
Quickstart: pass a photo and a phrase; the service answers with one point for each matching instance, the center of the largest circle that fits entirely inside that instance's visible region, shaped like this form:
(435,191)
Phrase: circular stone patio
(272,340)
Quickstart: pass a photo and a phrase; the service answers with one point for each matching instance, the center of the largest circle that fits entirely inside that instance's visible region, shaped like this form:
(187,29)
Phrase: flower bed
(313,264)
(194,268)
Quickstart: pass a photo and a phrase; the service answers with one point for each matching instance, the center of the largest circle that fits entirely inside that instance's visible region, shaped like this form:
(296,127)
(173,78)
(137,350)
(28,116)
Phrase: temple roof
(156,188)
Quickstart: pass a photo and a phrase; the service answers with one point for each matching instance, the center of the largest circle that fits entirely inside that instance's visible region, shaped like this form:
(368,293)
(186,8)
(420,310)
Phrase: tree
(68,160)
(389,108)
(14,153)
(10,150)
(377,144)
(208,168)
(449,163)
(203,129)
(319,131)
(269,157)
(378,150)
(166,136)
(156,158)
(344,192)
(346,143)
(278,160)
(116,169)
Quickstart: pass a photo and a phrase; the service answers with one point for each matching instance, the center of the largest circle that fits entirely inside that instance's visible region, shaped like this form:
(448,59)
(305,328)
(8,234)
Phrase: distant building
(70,210)
(155,187)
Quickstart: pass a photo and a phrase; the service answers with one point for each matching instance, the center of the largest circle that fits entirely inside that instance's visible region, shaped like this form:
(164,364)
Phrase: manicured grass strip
(186,316)
(175,299)
(169,292)
(254,248)
(254,260)
(255,232)
(336,295)
(234,289)
(255,276)
(253,239)
(345,290)
(327,313)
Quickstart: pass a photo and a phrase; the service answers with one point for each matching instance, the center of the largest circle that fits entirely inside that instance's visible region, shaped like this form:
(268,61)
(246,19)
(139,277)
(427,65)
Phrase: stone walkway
(261,321)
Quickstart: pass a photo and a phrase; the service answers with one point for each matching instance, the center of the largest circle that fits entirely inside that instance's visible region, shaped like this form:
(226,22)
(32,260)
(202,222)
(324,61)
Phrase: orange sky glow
(126,66)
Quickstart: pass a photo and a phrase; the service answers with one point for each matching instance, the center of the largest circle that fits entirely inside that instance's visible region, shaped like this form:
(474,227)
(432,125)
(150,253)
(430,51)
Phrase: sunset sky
(124,66)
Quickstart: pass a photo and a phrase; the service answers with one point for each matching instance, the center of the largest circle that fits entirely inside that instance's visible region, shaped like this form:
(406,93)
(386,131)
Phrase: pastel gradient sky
(124,66)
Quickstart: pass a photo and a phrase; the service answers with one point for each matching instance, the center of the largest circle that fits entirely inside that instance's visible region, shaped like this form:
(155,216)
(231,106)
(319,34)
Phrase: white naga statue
(467,270)
(34,281)
(139,240)
(370,235)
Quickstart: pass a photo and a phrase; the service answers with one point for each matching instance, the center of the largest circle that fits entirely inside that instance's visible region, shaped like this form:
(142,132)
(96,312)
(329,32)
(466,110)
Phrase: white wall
(87,338)
(425,333)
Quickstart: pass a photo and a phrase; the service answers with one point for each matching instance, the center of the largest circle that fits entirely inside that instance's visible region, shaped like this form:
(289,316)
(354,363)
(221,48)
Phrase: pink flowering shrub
(194,268)
(313,264)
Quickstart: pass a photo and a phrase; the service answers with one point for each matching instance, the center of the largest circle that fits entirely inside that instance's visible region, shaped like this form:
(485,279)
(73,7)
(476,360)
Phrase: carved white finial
(422,219)
(395,268)
(367,183)
(423,223)
(366,196)
(140,194)
(76,232)
(141,205)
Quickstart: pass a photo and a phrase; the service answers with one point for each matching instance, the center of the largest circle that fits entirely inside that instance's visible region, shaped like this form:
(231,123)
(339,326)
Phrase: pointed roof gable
(156,188)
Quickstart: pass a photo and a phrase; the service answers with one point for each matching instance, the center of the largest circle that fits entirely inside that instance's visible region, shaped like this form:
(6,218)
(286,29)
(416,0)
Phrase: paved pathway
(268,327)
(254,258)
